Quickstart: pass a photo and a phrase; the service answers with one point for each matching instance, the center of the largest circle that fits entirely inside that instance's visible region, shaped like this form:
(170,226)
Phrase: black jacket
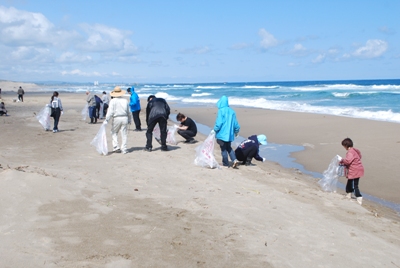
(157,108)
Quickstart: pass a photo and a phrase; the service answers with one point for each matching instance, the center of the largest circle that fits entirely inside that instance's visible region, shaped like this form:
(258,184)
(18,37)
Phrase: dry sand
(64,205)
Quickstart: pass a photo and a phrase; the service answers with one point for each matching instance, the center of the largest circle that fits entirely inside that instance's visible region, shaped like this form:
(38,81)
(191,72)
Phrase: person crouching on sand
(249,149)
(187,129)
(355,168)
(3,110)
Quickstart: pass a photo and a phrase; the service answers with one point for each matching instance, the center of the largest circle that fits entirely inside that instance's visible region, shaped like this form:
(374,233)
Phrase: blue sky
(198,41)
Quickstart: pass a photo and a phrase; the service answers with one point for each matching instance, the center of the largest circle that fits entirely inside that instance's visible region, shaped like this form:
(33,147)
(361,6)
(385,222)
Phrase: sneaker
(158,140)
(147,149)
(54,131)
(164,148)
(192,141)
(235,164)
(124,152)
(117,150)
(359,200)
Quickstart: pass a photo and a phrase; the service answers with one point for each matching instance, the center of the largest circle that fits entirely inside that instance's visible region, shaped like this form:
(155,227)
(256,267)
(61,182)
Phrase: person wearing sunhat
(118,110)
(249,149)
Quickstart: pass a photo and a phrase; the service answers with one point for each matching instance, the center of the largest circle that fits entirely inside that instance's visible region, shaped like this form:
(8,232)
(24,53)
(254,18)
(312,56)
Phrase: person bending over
(157,111)
(249,149)
(187,128)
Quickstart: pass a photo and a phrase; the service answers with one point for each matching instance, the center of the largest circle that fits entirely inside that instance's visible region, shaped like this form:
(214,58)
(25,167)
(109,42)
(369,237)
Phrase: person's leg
(105,107)
(162,123)
(149,134)
(224,153)
(240,155)
(124,136)
(230,151)
(356,189)
(91,108)
(56,119)
(349,186)
(186,134)
(116,126)
(136,120)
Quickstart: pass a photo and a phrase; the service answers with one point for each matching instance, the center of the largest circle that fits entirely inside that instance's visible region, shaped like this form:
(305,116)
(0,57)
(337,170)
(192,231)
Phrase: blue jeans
(92,111)
(226,150)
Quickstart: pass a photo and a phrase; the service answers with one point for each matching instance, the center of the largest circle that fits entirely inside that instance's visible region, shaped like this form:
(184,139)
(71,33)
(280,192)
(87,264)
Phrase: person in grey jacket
(21,93)
(92,107)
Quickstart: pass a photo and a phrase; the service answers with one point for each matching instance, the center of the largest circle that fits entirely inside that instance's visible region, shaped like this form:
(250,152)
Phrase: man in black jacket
(157,111)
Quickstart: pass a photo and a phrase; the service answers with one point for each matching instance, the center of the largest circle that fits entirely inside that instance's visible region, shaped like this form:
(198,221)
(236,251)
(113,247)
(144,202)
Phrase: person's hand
(236,135)
(264,159)
(105,122)
(62,112)
(212,132)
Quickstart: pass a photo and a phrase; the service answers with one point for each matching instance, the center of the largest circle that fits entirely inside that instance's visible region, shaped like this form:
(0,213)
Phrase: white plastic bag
(85,112)
(205,153)
(330,176)
(100,141)
(171,130)
(44,117)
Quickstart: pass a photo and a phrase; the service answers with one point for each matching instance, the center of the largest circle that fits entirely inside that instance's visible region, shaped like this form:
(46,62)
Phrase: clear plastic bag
(85,112)
(44,117)
(330,176)
(100,141)
(171,130)
(205,153)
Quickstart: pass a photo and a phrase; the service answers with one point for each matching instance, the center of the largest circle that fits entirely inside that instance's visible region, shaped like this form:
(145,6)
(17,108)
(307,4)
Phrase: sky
(199,41)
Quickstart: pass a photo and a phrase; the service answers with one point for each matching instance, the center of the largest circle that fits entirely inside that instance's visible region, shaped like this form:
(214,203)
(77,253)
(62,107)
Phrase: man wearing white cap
(249,149)
(118,109)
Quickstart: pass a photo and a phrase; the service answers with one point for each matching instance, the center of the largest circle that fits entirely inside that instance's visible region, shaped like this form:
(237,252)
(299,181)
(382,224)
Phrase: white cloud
(320,58)
(373,48)
(78,72)
(268,40)
(196,50)
(240,46)
(71,57)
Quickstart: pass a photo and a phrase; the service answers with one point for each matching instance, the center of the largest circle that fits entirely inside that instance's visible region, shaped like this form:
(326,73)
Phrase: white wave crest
(201,94)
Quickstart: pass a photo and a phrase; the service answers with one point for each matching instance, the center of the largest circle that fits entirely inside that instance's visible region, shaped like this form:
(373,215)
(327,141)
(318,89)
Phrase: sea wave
(201,94)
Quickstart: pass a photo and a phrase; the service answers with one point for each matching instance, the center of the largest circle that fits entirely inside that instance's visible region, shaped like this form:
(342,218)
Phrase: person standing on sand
(157,111)
(134,104)
(226,129)
(56,110)
(355,169)
(119,112)
(249,149)
(105,100)
(90,99)
(187,128)
(21,93)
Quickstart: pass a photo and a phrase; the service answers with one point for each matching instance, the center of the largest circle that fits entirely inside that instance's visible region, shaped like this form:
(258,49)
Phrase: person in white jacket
(118,110)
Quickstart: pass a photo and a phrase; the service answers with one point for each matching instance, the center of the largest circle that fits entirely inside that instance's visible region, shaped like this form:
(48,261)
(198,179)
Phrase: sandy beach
(64,205)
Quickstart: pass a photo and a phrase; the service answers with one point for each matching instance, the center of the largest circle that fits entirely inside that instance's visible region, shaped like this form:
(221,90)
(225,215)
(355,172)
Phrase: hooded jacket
(226,124)
(353,163)
(156,108)
(134,103)
(251,141)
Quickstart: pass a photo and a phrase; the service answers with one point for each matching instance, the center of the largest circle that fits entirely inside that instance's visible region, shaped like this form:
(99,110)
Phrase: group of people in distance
(94,105)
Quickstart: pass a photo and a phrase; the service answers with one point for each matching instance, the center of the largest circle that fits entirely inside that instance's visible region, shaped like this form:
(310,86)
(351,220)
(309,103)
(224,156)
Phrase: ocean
(368,99)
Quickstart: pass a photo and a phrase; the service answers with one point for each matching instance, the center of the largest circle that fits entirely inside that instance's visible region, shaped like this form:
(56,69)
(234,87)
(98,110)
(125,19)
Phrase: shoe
(158,140)
(359,200)
(117,150)
(124,152)
(348,195)
(192,141)
(164,148)
(147,149)
(235,164)
(54,131)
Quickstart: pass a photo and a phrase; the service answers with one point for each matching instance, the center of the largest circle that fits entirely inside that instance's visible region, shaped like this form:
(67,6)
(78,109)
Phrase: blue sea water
(368,99)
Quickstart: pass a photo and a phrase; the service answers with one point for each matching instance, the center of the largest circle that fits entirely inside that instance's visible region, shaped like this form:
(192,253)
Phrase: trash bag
(44,117)
(171,130)
(205,153)
(100,141)
(330,176)
(85,112)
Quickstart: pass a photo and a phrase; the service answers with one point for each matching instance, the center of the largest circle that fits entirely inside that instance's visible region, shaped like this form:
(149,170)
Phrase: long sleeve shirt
(118,107)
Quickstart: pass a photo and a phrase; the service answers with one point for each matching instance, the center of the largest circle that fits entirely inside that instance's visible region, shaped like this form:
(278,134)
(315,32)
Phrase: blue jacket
(226,124)
(134,103)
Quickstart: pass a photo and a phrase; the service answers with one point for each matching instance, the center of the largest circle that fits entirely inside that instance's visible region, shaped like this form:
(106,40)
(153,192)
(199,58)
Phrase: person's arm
(347,160)
(110,110)
(60,104)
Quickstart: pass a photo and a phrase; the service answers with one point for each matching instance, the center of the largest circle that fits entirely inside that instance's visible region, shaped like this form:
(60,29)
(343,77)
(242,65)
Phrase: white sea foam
(201,94)
(261,87)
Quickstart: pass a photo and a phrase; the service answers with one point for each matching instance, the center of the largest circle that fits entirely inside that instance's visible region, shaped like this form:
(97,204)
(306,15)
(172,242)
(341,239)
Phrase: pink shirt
(353,163)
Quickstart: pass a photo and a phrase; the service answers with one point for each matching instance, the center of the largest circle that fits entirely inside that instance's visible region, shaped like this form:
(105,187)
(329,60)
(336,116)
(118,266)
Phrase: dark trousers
(98,106)
(21,97)
(187,134)
(56,116)
(162,123)
(136,119)
(105,107)
(92,113)
(352,186)
(246,155)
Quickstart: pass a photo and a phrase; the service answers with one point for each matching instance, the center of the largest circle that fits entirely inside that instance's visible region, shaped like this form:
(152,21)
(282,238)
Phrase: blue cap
(262,139)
